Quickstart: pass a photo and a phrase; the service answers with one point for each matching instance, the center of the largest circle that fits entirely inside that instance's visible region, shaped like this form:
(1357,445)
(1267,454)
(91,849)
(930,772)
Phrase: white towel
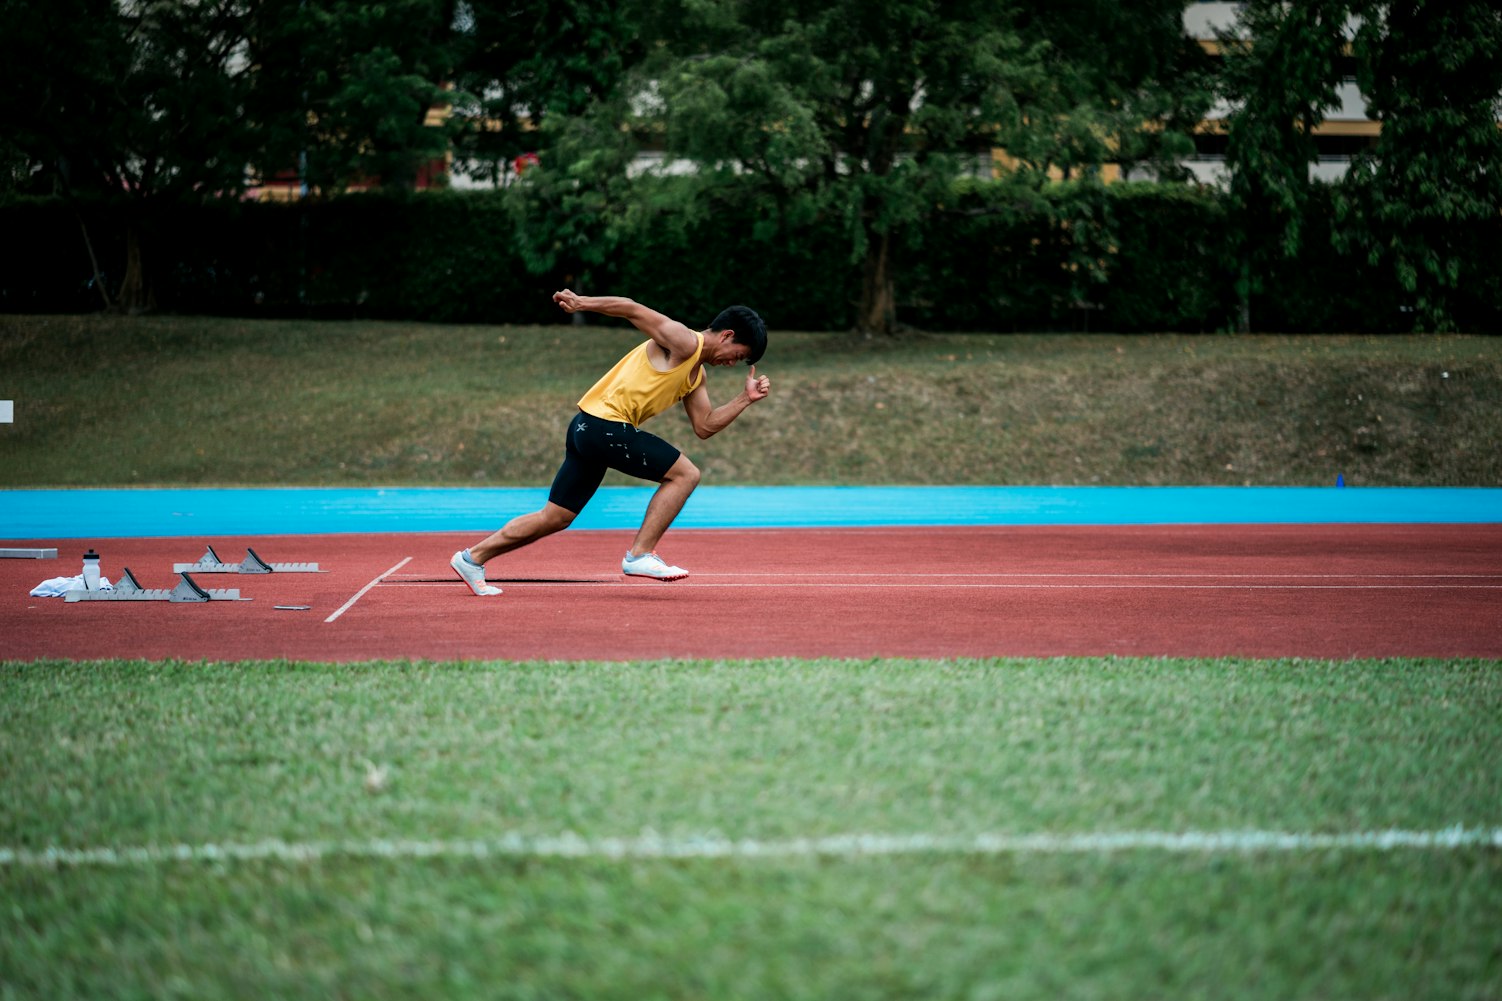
(56,587)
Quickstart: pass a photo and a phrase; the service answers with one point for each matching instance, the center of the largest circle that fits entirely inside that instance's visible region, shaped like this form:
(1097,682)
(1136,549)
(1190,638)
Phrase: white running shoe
(472,575)
(650,565)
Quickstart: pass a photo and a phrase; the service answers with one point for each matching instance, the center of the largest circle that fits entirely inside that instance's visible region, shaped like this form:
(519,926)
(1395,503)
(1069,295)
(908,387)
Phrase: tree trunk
(877,312)
(88,244)
(1244,300)
(135,292)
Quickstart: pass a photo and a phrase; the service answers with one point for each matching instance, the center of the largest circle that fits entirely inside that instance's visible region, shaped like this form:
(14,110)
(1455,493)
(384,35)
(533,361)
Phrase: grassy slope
(167,400)
(132,754)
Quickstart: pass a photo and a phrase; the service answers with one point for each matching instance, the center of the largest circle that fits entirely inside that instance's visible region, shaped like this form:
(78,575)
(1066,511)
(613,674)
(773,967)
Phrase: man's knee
(555,518)
(684,472)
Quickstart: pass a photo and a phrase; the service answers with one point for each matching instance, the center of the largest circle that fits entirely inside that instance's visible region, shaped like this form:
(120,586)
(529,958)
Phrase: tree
(526,60)
(868,110)
(863,111)
(545,83)
(343,92)
(1426,199)
(1281,69)
(128,103)
(1125,85)
(137,104)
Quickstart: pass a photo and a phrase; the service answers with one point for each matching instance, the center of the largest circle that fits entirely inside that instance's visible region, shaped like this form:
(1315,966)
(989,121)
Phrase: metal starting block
(210,562)
(127,588)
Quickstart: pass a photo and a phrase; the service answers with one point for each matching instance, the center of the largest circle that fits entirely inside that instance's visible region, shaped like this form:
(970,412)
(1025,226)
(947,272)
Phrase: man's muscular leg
(669,499)
(523,530)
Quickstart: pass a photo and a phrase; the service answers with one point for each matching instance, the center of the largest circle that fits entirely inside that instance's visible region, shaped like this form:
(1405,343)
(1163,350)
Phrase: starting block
(127,588)
(210,562)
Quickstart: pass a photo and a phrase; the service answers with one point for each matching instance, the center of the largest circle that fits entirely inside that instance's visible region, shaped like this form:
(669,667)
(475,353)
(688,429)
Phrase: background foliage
(1072,256)
(878,166)
(1126,257)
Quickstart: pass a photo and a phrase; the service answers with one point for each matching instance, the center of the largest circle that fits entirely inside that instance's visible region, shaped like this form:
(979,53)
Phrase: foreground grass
(121,754)
(196,401)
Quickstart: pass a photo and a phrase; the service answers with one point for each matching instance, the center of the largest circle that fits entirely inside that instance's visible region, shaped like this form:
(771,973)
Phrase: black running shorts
(594,445)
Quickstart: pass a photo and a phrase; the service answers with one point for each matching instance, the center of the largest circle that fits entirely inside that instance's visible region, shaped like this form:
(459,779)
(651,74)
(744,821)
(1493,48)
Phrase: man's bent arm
(675,338)
(709,421)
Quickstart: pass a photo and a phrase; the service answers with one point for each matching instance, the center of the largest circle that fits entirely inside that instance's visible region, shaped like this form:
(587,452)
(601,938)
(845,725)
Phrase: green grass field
(156,401)
(391,779)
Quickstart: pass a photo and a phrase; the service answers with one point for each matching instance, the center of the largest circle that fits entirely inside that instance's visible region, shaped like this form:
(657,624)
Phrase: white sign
(7,412)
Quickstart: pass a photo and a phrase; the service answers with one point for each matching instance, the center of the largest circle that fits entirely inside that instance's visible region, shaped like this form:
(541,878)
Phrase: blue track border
(109,513)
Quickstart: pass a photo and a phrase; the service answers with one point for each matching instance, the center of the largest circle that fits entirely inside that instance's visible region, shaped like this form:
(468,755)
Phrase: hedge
(1127,257)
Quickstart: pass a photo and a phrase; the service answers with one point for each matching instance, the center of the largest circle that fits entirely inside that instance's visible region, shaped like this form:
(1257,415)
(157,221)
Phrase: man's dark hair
(747,328)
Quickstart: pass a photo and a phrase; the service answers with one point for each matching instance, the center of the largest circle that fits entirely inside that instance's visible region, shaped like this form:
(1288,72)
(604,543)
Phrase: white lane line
(1017,575)
(654,846)
(361,593)
(908,585)
(1123,587)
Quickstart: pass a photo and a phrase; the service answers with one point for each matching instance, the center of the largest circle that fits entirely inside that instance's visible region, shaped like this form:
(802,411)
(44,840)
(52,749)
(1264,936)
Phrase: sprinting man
(606,432)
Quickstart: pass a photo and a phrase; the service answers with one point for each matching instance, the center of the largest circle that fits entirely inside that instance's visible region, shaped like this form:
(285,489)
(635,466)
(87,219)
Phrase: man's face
(730,353)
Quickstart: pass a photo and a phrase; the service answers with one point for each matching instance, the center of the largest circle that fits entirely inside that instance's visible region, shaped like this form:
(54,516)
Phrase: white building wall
(1203,20)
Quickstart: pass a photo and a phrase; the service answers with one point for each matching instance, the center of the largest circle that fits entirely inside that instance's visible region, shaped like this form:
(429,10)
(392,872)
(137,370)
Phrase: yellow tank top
(634,391)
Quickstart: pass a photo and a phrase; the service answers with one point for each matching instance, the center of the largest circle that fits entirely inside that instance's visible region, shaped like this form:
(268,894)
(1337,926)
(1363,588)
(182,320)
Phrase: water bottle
(91,571)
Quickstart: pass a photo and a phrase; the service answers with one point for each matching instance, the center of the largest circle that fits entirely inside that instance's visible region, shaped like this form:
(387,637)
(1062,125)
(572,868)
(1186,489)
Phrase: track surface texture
(1264,591)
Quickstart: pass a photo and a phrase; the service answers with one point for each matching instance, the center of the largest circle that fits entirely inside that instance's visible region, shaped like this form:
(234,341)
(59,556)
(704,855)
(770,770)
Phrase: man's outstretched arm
(677,339)
(708,420)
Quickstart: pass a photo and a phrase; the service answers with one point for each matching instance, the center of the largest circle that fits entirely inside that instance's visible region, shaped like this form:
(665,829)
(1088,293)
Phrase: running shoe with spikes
(650,565)
(472,575)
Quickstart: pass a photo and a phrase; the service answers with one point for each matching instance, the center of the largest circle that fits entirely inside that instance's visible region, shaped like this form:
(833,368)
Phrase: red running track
(1326,591)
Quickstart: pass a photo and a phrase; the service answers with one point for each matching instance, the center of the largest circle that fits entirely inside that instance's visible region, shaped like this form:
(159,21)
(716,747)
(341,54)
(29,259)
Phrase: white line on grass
(361,593)
(653,846)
